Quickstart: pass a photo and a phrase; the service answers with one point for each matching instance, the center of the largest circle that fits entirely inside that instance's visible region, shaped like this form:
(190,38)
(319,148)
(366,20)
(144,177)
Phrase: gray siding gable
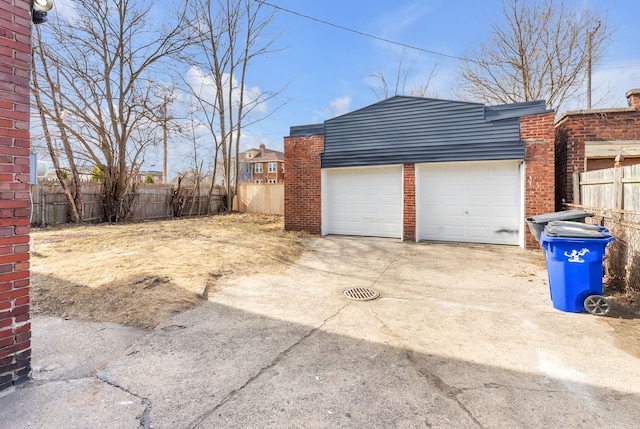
(406,130)
(306,130)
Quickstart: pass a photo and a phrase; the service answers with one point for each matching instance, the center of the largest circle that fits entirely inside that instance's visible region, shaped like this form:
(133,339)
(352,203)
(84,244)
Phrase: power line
(361,33)
(613,66)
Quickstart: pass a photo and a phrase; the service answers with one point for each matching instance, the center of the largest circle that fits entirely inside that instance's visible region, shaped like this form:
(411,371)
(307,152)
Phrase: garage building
(423,169)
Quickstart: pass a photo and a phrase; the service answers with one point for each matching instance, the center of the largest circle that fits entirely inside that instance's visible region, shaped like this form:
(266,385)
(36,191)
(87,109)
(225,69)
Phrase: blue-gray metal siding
(405,130)
(306,130)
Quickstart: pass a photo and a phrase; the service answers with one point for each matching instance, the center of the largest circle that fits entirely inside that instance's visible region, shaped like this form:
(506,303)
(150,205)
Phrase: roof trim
(594,112)
(515,110)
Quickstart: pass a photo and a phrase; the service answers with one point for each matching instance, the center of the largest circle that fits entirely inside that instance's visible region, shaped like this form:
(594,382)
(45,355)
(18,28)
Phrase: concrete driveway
(462,336)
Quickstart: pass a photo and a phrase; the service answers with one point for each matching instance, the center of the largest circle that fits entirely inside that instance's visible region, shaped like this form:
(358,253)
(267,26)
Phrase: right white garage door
(472,202)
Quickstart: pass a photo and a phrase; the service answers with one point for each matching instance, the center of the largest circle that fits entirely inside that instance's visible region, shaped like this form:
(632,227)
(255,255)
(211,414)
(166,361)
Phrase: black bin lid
(575,230)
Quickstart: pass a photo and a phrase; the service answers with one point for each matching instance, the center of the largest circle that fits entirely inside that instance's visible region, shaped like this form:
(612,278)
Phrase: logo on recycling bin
(575,255)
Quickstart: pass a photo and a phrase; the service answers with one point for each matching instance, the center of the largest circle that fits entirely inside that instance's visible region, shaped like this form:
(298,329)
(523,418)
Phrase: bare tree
(382,90)
(53,110)
(106,59)
(232,33)
(198,172)
(539,52)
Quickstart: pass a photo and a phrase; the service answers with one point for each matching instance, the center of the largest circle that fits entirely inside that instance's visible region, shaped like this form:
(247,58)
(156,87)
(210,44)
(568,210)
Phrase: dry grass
(141,273)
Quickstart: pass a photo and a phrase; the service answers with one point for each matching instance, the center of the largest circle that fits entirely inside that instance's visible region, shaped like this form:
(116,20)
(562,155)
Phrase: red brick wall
(15,57)
(573,130)
(537,132)
(409,213)
(302,199)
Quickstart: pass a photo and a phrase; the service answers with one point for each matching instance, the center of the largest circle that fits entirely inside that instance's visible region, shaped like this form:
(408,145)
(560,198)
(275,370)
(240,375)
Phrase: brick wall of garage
(303,184)
(537,132)
(573,129)
(15,327)
(302,199)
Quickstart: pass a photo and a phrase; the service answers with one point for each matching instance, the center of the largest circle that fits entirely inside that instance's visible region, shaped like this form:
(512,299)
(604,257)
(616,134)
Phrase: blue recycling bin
(574,254)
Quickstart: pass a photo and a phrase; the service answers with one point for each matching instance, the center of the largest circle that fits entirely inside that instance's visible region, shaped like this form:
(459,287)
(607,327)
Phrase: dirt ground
(624,318)
(141,273)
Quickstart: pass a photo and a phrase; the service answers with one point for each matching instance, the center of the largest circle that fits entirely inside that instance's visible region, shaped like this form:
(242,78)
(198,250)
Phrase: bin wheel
(596,304)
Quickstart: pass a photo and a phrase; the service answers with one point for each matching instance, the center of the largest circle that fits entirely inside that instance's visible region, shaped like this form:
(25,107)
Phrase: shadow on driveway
(461,337)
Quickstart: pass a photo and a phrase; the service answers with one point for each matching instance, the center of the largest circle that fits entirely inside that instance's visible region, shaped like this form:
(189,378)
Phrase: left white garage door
(363,201)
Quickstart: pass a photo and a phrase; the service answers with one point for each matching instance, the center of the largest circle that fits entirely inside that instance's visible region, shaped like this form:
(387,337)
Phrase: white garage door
(475,202)
(363,201)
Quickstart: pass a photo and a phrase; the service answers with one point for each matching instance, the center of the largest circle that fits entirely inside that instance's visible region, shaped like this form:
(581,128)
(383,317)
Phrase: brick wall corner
(15,146)
(302,188)
(538,134)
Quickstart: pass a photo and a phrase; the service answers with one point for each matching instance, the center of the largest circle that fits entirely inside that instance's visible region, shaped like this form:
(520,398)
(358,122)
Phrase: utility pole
(589,49)
(165,101)
(164,141)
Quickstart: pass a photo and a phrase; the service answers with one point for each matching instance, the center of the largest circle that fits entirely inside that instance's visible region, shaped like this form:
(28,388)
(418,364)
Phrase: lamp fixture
(39,9)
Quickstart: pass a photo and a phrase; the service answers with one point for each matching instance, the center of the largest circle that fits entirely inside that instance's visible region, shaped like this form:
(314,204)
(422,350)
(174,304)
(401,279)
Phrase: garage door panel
(450,210)
(469,202)
(364,201)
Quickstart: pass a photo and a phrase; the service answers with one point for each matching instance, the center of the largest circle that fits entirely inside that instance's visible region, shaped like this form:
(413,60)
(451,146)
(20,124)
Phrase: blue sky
(324,71)
(328,69)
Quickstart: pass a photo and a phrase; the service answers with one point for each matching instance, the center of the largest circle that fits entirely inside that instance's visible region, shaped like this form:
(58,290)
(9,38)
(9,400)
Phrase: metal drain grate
(360,293)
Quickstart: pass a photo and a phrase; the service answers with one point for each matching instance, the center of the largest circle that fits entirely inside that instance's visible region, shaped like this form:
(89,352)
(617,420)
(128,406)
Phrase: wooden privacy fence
(49,205)
(614,188)
(260,198)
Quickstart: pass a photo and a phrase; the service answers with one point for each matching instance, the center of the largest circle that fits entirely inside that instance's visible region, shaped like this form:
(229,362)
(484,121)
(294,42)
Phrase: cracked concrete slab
(462,336)
(71,404)
(79,349)
(63,391)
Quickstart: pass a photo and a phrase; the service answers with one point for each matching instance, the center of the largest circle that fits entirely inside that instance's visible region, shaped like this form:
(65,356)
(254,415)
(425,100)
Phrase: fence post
(43,205)
(576,187)
(617,184)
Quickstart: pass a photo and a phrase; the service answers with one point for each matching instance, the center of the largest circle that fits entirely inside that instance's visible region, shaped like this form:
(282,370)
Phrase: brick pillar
(409,209)
(302,199)
(15,57)
(633,97)
(537,132)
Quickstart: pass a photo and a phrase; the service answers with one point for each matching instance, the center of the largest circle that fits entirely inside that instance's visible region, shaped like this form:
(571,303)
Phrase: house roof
(268,155)
(402,130)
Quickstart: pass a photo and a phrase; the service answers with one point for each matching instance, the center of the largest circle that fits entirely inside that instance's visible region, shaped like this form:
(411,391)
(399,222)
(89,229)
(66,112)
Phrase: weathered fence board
(614,188)
(151,201)
(260,198)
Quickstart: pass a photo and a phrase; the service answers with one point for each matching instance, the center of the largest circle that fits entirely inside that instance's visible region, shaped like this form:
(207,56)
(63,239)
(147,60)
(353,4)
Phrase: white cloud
(402,19)
(340,105)
(65,9)
(612,84)
(205,85)
(609,86)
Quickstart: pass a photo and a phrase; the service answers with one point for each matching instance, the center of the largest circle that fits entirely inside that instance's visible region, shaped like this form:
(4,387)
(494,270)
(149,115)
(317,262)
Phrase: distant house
(261,166)
(155,175)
